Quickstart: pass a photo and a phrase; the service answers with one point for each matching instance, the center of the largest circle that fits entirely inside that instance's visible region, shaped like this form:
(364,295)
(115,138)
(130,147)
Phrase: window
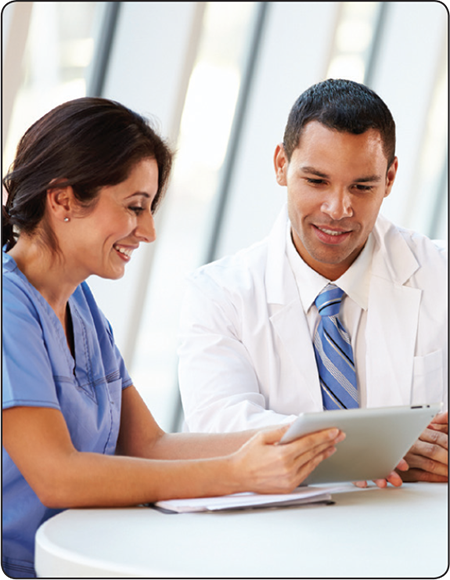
(55,65)
(205,129)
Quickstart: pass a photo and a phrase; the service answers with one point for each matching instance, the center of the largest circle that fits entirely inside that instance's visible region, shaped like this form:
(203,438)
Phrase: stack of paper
(303,495)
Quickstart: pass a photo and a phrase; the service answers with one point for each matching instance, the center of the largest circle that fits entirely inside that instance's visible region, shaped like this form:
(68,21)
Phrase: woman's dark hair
(87,143)
(344,106)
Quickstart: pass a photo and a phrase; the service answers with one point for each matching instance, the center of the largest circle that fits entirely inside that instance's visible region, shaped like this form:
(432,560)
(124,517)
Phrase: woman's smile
(125,252)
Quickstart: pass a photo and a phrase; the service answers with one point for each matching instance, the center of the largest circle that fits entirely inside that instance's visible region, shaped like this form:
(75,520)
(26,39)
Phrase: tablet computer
(376,440)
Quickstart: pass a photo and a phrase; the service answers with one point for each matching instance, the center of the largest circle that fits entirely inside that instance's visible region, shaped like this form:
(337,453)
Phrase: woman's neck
(46,271)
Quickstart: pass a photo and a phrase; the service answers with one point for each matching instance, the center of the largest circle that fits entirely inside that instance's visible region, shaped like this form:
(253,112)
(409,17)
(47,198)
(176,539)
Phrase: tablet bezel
(376,439)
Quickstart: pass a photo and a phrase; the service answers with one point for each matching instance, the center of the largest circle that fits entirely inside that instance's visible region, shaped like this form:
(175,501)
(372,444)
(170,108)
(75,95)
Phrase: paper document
(303,495)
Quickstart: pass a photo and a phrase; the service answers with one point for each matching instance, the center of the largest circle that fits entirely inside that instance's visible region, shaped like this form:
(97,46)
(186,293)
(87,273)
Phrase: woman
(82,192)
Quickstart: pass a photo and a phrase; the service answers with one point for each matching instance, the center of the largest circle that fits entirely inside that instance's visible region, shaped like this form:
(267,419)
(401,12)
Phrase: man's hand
(393,478)
(428,457)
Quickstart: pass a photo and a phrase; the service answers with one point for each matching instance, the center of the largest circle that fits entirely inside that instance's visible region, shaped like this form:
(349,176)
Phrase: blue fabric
(334,354)
(39,371)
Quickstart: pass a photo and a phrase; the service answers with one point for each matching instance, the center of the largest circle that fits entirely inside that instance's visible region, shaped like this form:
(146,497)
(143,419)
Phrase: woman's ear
(60,200)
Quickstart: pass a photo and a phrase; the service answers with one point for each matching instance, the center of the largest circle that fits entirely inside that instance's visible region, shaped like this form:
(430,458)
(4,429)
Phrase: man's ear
(280,163)
(390,176)
(60,200)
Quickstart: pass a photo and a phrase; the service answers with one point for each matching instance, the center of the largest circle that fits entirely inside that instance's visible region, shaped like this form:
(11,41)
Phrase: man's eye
(315,181)
(360,187)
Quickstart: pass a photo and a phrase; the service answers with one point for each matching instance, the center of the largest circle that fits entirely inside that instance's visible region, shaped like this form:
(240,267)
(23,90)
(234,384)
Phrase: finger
(440,422)
(308,451)
(394,479)
(307,468)
(421,475)
(402,465)
(430,451)
(380,483)
(436,437)
(416,461)
(310,454)
(273,435)
(319,438)
(437,427)
(441,418)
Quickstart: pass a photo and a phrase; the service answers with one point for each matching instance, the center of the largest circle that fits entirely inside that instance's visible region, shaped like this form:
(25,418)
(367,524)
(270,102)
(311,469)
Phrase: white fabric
(246,357)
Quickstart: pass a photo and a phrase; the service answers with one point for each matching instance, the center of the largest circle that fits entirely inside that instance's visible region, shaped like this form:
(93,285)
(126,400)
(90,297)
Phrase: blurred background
(218,80)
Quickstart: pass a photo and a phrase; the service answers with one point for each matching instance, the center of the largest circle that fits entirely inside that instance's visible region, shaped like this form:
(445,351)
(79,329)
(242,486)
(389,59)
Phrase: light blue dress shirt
(39,371)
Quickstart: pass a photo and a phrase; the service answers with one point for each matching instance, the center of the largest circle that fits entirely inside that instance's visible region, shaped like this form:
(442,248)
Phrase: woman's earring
(66,219)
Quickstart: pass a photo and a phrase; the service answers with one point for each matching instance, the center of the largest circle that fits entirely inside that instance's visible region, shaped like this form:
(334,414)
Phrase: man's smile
(329,235)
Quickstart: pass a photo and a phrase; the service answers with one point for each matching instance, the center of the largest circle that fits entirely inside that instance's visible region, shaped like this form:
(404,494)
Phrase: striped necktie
(334,355)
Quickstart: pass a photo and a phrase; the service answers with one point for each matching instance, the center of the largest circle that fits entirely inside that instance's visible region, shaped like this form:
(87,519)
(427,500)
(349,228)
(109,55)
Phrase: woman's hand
(263,466)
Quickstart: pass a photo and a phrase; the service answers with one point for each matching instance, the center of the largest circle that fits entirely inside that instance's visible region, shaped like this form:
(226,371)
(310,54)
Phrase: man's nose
(338,204)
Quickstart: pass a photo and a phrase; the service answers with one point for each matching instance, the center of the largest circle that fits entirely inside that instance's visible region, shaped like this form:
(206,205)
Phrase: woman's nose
(145,230)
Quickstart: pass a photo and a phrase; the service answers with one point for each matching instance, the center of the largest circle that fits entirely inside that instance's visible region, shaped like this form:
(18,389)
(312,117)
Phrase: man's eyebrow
(373,178)
(308,169)
(366,179)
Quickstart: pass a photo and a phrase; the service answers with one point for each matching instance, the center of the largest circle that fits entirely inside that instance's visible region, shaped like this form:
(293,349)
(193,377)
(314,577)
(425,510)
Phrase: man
(255,346)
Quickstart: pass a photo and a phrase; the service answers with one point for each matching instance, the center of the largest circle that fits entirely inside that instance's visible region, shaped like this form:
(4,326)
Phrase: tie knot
(328,302)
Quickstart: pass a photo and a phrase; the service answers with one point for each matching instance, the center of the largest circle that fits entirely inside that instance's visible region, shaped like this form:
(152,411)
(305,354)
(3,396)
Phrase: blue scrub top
(39,371)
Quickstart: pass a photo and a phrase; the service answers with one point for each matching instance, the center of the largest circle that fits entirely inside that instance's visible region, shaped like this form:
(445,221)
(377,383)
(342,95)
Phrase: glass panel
(205,129)
(58,52)
(353,40)
(427,210)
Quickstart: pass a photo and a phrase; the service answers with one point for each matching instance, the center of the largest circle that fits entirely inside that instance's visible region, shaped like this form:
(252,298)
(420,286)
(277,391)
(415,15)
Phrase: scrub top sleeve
(26,368)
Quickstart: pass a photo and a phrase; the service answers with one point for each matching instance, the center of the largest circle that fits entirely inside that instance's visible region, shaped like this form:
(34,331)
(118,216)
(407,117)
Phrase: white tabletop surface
(378,533)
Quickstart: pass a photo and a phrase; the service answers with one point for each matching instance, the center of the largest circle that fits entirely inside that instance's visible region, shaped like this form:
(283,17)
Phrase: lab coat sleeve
(218,384)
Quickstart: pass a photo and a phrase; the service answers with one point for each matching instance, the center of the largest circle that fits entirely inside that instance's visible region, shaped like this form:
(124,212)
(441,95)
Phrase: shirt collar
(354,282)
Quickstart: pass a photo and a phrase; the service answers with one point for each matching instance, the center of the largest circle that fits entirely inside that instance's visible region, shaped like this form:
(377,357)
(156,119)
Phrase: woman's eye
(136,209)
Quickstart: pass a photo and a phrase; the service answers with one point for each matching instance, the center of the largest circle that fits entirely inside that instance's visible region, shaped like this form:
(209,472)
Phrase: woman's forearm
(140,436)
(198,445)
(93,480)
(260,465)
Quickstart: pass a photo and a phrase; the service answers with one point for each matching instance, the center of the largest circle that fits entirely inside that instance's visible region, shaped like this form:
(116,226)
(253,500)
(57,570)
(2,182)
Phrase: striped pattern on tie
(334,354)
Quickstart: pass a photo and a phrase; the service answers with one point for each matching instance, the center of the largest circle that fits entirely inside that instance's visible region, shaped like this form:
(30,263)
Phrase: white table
(395,532)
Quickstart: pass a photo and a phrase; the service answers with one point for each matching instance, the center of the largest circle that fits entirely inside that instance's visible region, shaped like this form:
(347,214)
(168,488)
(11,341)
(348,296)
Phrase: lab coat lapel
(392,319)
(288,318)
(289,323)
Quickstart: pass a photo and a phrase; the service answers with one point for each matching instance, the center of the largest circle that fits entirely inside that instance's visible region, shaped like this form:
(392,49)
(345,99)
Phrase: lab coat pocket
(428,378)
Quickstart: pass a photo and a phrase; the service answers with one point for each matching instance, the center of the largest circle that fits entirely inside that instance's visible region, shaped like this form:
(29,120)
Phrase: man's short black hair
(341,105)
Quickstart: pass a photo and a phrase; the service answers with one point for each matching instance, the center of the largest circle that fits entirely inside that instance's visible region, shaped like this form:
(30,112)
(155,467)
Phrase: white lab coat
(246,358)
